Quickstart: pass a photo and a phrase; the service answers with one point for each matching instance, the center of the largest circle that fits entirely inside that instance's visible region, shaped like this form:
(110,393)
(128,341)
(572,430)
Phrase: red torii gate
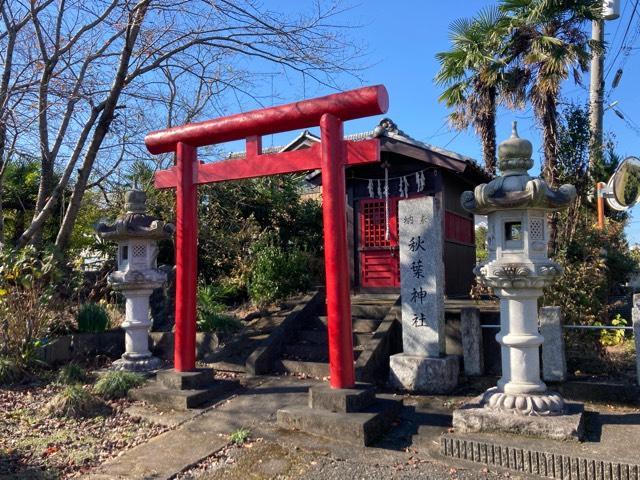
(331,156)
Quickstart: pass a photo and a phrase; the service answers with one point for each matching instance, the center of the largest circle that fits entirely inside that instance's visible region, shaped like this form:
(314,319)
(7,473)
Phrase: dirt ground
(34,445)
(261,460)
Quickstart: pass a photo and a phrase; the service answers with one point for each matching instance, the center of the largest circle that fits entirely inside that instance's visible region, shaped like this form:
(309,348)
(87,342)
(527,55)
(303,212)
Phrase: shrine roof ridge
(386,128)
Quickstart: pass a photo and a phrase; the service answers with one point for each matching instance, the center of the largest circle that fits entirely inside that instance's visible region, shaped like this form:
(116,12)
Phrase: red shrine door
(379,256)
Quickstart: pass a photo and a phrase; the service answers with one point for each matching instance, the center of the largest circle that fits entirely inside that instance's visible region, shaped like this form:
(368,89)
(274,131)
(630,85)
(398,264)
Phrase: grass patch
(113,385)
(210,313)
(92,318)
(218,322)
(240,436)
(74,401)
(10,373)
(71,374)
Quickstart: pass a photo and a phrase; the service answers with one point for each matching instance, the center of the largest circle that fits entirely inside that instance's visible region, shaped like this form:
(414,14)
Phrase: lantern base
(137,364)
(542,404)
(478,417)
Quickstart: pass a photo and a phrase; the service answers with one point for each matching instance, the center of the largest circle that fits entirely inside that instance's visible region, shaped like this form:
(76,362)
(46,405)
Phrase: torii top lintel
(251,125)
(358,103)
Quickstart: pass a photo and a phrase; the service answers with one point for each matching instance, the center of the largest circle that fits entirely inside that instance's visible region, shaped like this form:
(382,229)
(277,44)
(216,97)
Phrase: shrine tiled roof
(385,129)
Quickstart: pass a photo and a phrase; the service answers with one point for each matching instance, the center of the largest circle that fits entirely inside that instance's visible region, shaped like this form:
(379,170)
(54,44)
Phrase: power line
(624,10)
(624,38)
(454,137)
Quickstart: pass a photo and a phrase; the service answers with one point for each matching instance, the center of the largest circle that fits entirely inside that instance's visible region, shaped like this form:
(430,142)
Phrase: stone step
(310,352)
(312,369)
(359,325)
(169,398)
(375,310)
(199,379)
(376,298)
(357,428)
(319,337)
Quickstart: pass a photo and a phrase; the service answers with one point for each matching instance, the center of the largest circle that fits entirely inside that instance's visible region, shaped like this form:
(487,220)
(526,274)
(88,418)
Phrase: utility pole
(610,11)
(596,93)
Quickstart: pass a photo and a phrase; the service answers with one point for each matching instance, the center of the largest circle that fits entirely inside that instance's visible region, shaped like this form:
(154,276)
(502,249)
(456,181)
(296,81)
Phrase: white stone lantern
(517,269)
(137,276)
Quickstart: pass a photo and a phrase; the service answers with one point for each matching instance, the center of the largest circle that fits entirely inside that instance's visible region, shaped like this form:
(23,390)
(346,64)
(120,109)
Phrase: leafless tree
(83,80)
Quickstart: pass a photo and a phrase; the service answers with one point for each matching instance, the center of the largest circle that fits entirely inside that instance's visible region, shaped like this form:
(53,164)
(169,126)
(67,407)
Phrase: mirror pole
(600,186)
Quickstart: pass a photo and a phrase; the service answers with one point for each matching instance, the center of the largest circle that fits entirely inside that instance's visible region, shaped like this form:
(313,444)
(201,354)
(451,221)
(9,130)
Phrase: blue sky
(402,39)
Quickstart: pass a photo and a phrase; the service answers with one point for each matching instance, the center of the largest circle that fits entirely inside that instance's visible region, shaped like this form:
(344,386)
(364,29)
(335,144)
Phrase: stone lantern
(137,276)
(517,270)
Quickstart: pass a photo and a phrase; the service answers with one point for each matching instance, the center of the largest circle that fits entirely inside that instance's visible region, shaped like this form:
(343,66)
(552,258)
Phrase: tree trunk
(102,128)
(485,125)
(550,140)
(550,169)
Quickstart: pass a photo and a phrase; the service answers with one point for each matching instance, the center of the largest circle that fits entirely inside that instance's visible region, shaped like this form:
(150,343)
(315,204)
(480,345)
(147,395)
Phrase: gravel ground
(262,460)
(33,445)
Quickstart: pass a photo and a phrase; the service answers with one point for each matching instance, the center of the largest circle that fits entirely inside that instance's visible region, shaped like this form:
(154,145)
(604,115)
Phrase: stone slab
(168,398)
(344,400)
(554,364)
(197,379)
(602,392)
(473,418)
(356,428)
(471,333)
(416,373)
(422,276)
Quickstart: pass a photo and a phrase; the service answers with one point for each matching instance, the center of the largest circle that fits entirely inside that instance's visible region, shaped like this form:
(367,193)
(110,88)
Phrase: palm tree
(548,43)
(475,77)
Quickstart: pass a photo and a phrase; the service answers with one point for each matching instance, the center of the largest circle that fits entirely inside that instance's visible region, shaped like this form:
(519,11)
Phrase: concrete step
(319,337)
(312,369)
(361,339)
(378,298)
(310,352)
(313,353)
(169,398)
(361,428)
(359,325)
(374,310)
(199,379)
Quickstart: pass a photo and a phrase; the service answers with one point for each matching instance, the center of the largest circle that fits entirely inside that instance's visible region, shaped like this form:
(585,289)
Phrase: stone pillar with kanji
(423,365)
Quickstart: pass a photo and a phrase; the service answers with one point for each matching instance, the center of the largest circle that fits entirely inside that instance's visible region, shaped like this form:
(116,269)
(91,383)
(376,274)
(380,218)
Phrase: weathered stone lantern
(137,276)
(517,269)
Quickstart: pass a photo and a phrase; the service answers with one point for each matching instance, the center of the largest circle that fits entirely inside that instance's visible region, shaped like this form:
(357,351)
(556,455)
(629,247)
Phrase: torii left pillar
(329,113)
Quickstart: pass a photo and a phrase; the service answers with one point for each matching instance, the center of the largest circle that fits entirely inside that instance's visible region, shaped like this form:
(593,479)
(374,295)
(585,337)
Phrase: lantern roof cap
(514,154)
(135,222)
(515,189)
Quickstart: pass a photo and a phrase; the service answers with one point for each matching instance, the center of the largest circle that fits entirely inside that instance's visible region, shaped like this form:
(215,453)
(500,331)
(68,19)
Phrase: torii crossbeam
(330,156)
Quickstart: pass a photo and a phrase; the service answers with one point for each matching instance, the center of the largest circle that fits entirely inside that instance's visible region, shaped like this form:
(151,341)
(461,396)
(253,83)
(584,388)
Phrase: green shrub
(113,385)
(276,274)
(10,373)
(71,374)
(92,318)
(224,292)
(28,303)
(610,337)
(75,401)
(240,436)
(210,316)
